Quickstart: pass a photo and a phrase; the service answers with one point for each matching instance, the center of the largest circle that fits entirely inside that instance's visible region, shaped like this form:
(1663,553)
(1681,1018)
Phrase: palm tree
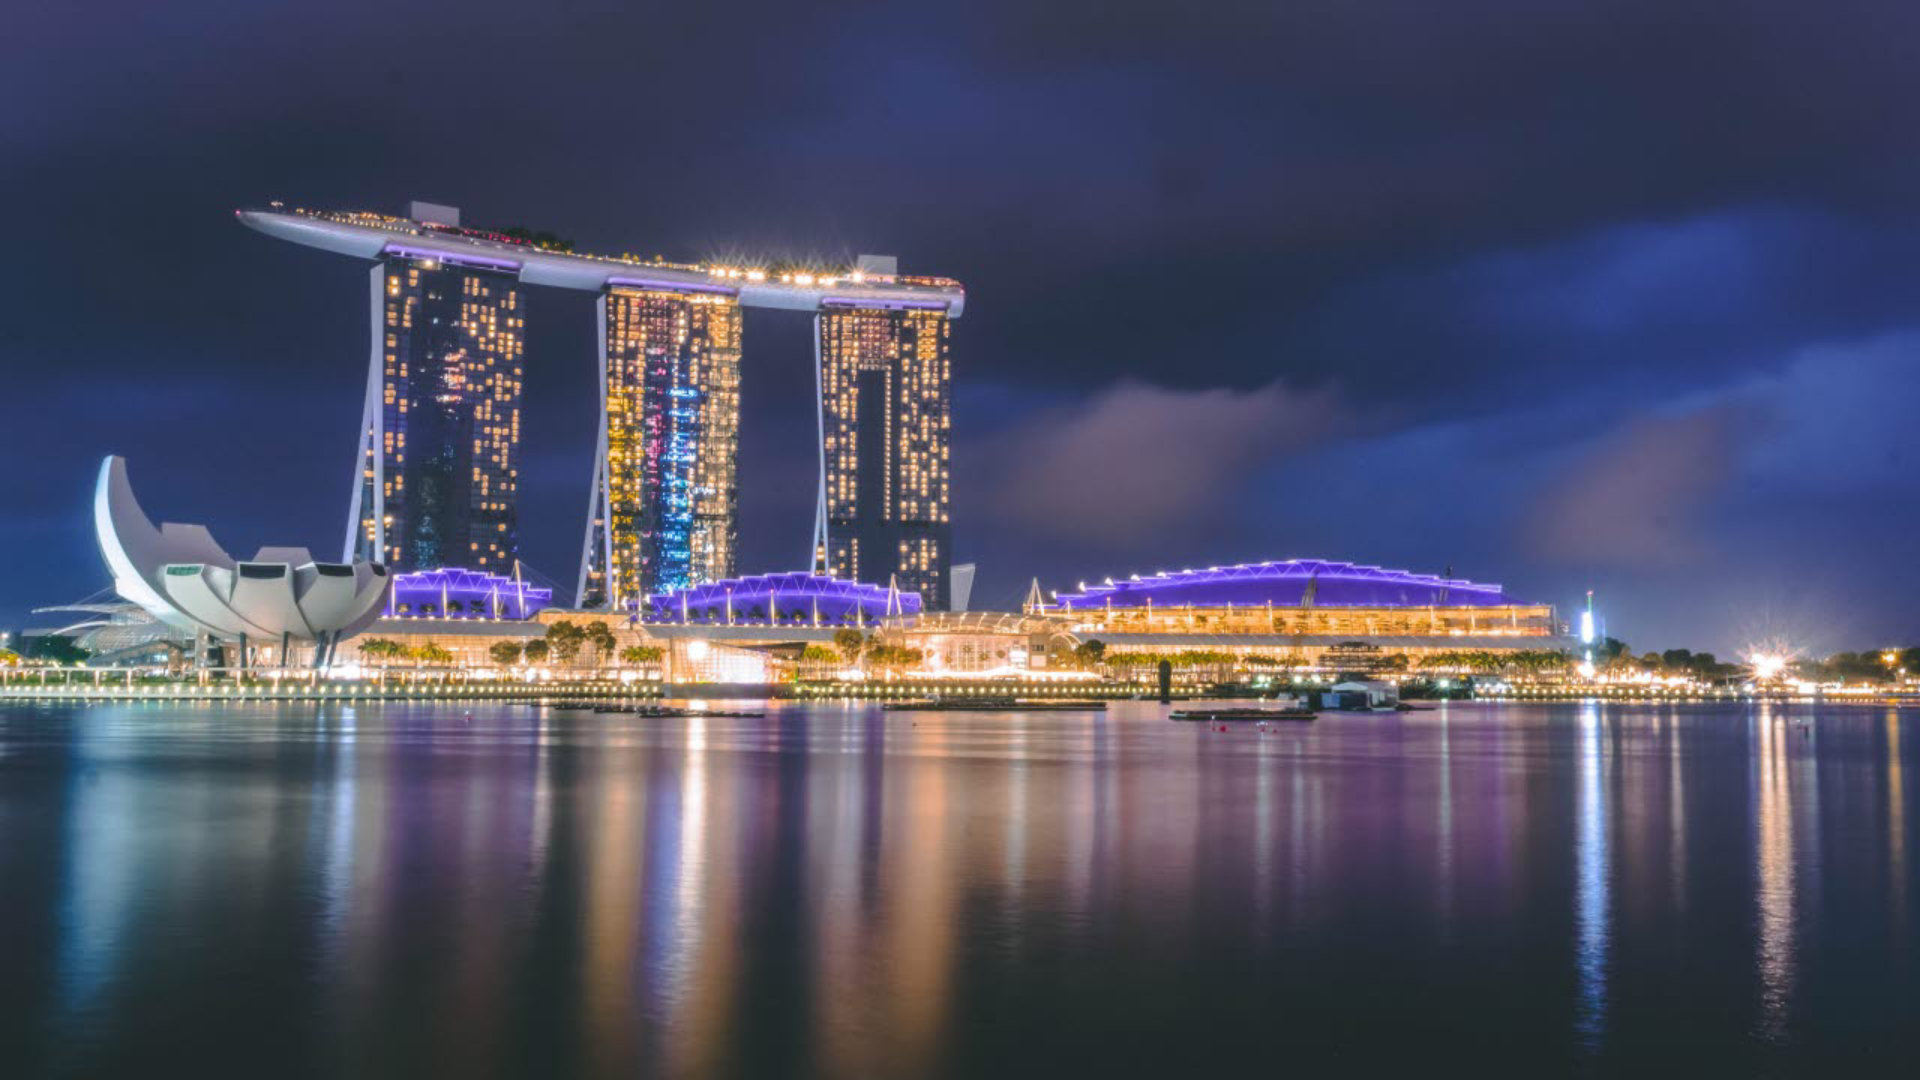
(813,658)
(386,650)
(433,653)
(643,654)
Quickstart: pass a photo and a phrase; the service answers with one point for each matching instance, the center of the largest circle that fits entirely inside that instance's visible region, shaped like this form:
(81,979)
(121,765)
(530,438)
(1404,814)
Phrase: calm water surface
(407,890)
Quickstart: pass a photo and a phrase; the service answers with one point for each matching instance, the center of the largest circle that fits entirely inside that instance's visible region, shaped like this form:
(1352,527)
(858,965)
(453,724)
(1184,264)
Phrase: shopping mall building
(1302,611)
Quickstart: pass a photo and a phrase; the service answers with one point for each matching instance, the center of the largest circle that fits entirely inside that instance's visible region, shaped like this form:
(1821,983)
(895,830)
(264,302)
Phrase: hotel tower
(663,516)
(440,435)
(885,422)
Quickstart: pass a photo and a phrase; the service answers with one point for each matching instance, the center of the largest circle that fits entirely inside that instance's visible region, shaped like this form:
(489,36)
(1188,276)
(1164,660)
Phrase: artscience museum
(277,600)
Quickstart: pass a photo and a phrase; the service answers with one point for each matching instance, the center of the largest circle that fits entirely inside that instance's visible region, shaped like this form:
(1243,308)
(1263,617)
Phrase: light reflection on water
(1896,834)
(1774,827)
(1592,885)
(840,891)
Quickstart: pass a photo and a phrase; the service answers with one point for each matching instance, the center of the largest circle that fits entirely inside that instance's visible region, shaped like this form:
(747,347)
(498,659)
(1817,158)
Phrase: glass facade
(885,418)
(665,517)
(439,468)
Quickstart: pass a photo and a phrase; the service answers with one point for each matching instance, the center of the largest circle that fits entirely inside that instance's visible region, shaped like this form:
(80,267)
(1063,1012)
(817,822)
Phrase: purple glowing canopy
(794,599)
(453,593)
(1290,583)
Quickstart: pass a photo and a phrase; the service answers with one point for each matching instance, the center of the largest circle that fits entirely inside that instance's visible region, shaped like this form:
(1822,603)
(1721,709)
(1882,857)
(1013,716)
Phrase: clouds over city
(1136,461)
(1638,497)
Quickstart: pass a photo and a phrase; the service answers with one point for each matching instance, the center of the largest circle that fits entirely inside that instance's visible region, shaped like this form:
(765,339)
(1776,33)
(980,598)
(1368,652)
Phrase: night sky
(1618,296)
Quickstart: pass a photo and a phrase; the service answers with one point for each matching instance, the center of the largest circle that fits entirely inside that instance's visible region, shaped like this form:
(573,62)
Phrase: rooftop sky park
(436,233)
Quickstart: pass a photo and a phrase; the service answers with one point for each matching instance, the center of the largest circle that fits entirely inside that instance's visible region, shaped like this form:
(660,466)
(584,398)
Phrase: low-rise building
(1308,612)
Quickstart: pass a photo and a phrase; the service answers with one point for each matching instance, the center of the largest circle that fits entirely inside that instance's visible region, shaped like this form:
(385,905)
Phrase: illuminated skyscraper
(440,435)
(885,419)
(665,491)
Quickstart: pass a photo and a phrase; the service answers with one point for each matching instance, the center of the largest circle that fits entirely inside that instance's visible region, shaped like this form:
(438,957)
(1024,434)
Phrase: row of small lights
(294,689)
(857,277)
(942,690)
(443,690)
(1565,693)
(334,690)
(726,272)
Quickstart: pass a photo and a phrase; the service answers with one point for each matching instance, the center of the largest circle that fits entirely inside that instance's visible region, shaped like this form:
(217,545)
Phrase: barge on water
(1243,714)
(671,712)
(996,705)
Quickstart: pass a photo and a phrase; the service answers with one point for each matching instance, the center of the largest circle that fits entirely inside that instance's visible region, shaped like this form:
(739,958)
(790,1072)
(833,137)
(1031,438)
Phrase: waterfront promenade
(593,690)
(613,691)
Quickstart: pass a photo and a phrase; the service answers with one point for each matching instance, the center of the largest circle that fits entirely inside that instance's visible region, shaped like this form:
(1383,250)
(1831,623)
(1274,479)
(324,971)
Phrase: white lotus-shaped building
(279,597)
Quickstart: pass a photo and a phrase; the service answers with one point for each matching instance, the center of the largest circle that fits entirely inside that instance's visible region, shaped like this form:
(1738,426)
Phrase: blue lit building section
(665,488)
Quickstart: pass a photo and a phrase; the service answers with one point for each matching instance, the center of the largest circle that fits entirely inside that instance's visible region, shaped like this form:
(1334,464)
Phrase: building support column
(818,560)
(596,550)
(369,494)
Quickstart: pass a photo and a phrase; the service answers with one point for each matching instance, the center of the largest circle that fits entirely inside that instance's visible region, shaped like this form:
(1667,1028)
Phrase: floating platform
(1244,714)
(995,705)
(667,712)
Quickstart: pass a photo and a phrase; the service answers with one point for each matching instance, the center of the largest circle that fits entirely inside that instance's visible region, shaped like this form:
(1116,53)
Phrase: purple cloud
(1136,459)
(1638,496)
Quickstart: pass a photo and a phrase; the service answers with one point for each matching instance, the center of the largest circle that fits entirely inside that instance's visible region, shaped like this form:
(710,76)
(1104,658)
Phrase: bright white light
(696,650)
(1767,665)
(1586,669)
(1586,628)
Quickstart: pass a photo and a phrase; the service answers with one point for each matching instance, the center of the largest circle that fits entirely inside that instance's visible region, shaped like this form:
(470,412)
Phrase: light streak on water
(1592,899)
(1774,854)
(1896,831)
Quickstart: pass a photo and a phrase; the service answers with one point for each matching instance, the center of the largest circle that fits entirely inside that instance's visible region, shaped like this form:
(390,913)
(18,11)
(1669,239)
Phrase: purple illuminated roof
(796,599)
(1291,583)
(453,593)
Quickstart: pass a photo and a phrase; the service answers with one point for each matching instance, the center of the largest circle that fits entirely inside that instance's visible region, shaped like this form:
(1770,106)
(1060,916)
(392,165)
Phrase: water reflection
(1591,888)
(1775,870)
(840,891)
(107,865)
(1896,833)
(1676,809)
